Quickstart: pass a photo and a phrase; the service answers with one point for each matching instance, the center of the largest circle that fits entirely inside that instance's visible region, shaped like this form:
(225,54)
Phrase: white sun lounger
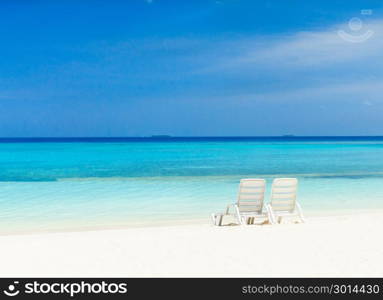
(249,203)
(283,200)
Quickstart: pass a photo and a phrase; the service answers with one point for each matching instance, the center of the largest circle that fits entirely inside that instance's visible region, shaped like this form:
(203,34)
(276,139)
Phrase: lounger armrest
(300,212)
(298,207)
(270,213)
(228,207)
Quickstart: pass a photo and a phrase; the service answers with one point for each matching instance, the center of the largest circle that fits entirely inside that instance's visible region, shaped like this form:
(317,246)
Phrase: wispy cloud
(280,66)
(191,55)
(304,49)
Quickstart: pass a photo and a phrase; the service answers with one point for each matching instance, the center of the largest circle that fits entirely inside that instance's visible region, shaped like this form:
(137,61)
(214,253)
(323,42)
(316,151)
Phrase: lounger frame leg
(213,218)
(220,220)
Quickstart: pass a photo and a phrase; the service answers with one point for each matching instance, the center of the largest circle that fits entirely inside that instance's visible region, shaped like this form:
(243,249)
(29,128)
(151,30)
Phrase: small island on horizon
(161,136)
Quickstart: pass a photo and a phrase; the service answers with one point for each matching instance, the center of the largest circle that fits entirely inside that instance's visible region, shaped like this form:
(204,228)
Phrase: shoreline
(312,215)
(344,246)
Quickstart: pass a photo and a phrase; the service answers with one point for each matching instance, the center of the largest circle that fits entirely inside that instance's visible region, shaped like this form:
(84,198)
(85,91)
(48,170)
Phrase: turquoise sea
(74,184)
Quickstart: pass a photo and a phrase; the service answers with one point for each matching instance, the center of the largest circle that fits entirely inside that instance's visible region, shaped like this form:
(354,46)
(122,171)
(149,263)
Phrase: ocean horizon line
(168,138)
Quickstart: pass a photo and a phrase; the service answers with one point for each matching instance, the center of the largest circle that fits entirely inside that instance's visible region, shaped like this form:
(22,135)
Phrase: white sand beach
(349,245)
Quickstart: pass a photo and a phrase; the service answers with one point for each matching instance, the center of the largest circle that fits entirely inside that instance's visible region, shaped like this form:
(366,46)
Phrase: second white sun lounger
(283,200)
(249,204)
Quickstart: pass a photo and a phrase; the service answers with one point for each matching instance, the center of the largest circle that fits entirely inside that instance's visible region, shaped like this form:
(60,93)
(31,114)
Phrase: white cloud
(306,49)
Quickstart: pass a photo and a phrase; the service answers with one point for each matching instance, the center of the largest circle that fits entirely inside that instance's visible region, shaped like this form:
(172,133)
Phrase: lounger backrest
(251,195)
(284,194)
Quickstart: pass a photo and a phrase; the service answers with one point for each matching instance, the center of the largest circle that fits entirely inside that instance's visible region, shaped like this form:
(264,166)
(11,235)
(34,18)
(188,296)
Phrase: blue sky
(190,68)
